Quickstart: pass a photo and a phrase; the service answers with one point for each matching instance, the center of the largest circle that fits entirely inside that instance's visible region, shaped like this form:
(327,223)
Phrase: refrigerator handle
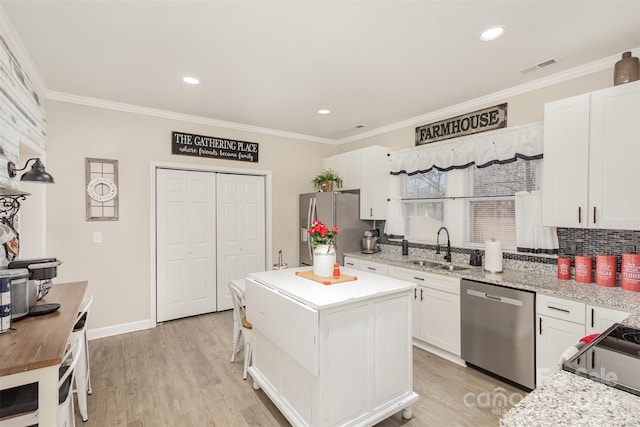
(310,218)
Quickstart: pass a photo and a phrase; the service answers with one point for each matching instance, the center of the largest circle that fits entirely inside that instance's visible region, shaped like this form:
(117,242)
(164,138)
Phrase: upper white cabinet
(366,169)
(591,153)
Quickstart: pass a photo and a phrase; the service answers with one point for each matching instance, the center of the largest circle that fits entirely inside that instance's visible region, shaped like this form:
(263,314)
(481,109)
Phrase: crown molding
(583,70)
(136,109)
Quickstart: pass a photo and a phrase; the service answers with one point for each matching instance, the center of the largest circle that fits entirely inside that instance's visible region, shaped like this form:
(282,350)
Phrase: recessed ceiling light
(492,33)
(191,80)
(324,111)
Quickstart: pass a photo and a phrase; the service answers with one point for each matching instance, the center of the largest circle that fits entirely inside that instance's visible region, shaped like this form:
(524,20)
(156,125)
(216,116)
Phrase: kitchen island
(337,354)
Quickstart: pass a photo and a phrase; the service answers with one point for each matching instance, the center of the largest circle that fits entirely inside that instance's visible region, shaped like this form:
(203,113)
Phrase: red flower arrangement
(321,235)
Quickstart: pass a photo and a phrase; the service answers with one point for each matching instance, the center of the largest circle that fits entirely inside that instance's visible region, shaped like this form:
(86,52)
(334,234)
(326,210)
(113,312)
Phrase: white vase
(324,256)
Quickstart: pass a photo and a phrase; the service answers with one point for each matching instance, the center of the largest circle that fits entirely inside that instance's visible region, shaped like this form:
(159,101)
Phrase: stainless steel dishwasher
(498,330)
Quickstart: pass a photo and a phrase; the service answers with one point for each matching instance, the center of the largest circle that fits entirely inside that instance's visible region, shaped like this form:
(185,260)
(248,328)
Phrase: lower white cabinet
(373,267)
(436,308)
(559,325)
(352,262)
(600,318)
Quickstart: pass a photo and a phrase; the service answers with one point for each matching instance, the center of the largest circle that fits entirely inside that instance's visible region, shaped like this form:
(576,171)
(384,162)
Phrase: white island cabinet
(332,355)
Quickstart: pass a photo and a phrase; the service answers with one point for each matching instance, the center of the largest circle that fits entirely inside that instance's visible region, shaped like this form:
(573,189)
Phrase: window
(475,204)
(424,215)
(491,209)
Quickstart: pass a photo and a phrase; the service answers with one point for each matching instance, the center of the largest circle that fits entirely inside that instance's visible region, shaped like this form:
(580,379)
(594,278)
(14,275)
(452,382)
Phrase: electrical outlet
(628,249)
(571,248)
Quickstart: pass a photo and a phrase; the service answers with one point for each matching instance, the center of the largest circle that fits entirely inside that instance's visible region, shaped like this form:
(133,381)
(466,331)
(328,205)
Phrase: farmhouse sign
(188,144)
(479,121)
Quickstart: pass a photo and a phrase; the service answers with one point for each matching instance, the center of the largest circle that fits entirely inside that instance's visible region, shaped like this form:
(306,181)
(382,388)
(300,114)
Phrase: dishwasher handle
(496,298)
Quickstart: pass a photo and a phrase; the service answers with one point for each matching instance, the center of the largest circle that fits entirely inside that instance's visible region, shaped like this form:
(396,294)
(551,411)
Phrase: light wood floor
(179,374)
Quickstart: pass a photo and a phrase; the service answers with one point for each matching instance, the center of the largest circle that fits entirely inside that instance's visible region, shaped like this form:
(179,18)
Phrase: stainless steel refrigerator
(341,208)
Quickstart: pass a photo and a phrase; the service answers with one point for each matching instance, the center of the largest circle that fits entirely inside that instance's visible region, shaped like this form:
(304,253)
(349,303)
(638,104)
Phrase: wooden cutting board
(326,280)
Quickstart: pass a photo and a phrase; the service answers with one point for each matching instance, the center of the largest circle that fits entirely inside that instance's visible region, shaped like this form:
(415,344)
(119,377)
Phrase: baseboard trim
(123,328)
(438,352)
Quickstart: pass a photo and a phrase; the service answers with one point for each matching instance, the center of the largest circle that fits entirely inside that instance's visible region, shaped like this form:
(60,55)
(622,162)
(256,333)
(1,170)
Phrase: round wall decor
(95,189)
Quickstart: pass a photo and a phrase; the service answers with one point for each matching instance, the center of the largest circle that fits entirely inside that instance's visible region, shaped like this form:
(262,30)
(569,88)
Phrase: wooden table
(33,352)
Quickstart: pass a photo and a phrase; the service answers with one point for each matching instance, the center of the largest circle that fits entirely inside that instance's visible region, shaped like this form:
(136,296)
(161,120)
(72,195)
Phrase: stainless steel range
(612,359)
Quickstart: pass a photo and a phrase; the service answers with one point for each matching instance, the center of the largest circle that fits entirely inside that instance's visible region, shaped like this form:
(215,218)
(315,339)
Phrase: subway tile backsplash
(588,242)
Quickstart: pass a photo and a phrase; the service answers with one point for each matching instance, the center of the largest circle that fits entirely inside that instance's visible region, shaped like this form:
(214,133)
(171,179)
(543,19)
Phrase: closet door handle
(540,325)
(421,296)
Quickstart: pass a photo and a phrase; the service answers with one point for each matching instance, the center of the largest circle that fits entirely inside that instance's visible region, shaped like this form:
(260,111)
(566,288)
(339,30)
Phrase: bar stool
(82,379)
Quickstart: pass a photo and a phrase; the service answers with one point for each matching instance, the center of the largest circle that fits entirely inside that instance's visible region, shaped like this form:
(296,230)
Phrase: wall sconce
(36,174)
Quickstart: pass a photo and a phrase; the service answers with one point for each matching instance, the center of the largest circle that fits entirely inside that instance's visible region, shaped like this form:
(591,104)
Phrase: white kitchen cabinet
(600,318)
(336,355)
(366,169)
(351,262)
(559,325)
(436,308)
(349,168)
(373,267)
(591,153)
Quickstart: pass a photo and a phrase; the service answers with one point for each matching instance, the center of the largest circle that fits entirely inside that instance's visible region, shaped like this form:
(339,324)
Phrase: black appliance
(612,359)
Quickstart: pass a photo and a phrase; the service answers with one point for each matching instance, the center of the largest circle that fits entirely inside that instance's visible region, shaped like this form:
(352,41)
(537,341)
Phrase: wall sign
(466,124)
(188,144)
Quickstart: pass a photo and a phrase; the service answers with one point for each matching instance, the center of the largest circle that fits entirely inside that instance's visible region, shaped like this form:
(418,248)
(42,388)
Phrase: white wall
(523,108)
(118,270)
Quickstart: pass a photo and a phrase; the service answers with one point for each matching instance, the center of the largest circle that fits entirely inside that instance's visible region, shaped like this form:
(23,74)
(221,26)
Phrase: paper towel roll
(493,256)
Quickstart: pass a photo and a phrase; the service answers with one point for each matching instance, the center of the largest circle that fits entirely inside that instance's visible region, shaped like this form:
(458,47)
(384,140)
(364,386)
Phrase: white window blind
(490,209)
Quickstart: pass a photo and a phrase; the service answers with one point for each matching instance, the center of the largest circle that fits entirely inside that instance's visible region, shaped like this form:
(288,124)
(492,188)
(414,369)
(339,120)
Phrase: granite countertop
(539,278)
(565,399)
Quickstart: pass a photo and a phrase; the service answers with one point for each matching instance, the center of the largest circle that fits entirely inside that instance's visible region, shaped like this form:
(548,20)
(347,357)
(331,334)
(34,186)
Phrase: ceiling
(274,64)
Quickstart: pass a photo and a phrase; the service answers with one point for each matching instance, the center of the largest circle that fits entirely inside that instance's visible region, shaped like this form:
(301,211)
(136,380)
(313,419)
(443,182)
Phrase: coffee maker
(369,243)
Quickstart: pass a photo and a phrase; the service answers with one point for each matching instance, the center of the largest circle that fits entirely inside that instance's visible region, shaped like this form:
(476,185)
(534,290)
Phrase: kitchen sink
(424,263)
(452,267)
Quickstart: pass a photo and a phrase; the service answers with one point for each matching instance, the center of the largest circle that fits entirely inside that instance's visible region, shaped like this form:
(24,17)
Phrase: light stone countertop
(565,399)
(540,278)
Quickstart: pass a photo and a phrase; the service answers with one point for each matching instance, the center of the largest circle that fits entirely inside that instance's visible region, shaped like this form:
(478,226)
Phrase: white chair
(244,326)
(82,378)
(235,348)
(19,406)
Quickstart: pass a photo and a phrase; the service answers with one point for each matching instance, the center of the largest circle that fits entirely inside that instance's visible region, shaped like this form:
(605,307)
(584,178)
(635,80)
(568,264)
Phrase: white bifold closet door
(241,230)
(186,243)
(210,229)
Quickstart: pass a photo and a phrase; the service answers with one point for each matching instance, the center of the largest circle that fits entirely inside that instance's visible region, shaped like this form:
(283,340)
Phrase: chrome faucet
(447,257)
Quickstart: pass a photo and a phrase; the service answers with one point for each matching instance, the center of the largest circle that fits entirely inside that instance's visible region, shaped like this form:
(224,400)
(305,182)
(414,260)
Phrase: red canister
(584,269)
(564,268)
(606,268)
(630,277)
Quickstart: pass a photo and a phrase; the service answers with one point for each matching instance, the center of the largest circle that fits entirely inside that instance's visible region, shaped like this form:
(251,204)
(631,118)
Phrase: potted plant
(325,179)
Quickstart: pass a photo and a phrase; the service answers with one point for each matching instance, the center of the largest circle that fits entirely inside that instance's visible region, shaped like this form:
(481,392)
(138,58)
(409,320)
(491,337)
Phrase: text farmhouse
(478,121)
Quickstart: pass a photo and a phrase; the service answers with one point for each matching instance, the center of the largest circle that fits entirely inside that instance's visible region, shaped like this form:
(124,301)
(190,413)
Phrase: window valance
(500,146)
